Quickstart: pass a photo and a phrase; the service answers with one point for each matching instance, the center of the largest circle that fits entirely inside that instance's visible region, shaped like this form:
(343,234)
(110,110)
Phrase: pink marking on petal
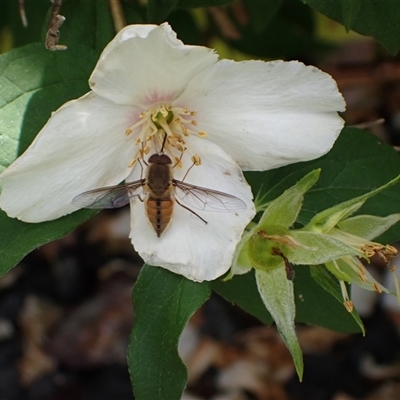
(156,97)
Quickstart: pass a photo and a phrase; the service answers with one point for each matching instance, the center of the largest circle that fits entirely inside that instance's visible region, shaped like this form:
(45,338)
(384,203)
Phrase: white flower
(224,115)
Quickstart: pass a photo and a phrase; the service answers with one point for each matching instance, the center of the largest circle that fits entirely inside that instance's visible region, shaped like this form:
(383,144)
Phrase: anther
(376,287)
(202,134)
(128,131)
(180,147)
(348,305)
(196,159)
(178,162)
(132,162)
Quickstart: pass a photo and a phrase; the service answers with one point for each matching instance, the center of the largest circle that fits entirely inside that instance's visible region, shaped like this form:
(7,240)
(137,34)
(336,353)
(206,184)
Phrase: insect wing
(110,196)
(207,199)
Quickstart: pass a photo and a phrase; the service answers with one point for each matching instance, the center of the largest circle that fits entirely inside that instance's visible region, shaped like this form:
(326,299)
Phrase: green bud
(266,246)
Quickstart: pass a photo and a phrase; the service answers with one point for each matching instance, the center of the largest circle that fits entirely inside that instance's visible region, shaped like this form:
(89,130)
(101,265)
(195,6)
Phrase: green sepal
(316,248)
(350,269)
(277,294)
(263,250)
(368,226)
(242,262)
(283,211)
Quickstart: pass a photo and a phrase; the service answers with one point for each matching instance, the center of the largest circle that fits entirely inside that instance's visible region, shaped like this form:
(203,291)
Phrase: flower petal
(266,115)
(83,146)
(145,65)
(189,246)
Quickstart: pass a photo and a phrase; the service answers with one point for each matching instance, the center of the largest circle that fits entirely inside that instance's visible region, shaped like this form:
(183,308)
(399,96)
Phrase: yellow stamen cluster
(165,128)
(384,252)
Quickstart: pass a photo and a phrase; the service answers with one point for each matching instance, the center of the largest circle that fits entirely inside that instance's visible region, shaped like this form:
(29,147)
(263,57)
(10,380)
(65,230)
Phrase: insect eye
(164,159)
(154,159)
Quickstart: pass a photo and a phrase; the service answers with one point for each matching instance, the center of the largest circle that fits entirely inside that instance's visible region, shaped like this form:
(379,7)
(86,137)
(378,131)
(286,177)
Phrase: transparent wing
(207,199)
(110,196)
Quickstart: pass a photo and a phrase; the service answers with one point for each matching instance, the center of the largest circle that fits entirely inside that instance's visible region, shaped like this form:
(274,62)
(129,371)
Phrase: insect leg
(184,177)
(187,208)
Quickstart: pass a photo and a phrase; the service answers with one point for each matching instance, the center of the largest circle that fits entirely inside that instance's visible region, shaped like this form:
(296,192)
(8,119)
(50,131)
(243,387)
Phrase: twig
(22,13)
(53,34)
(117,14)
(369,124)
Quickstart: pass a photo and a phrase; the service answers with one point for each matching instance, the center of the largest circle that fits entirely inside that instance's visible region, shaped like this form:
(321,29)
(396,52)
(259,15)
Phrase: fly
(160,192)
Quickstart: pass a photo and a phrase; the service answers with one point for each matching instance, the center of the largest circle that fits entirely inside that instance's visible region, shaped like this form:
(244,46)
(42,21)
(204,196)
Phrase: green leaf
(316,306)
(185,26)
(277,294)
(262,12)
(34,83)
(242,290)
(326,280)
(163,304)
(203,3)
(350,10)
(377,18)
(36,13)
(18,238)
(158,10)
(288,34)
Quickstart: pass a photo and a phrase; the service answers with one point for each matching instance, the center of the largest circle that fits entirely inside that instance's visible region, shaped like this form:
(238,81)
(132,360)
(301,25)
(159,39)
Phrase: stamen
(178,162)
(180,147)
(348,305)
(377,288)
(132,162)
(196,159)
(184,130)
(362,277)
(165,124)
(391,250)
(347,302)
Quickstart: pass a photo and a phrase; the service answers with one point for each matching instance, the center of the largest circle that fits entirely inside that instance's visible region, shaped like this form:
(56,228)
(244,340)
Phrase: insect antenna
(163,143)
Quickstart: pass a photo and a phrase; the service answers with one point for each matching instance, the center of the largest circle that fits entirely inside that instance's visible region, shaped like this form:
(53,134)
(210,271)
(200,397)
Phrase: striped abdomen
(159,213)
